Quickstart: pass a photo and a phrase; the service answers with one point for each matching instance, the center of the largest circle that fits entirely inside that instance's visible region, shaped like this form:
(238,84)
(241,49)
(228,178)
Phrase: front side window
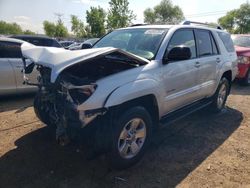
(10,50)
(183,38)
(143,42)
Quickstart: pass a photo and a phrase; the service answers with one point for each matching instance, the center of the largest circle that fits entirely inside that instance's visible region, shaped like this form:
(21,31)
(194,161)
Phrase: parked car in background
(66,44)
(133,80)
(74,45)
(11,65)
(86,44)
(242,47)
(39,40)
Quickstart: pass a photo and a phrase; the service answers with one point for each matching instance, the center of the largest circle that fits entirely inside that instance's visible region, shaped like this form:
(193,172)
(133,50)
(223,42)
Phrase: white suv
(130,81)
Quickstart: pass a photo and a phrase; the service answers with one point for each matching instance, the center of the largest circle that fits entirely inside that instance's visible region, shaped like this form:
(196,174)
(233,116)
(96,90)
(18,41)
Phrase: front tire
(41,110)
(131,136)
(220,97)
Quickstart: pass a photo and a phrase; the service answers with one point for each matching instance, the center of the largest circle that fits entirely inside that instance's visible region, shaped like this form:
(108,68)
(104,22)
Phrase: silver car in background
(11,65)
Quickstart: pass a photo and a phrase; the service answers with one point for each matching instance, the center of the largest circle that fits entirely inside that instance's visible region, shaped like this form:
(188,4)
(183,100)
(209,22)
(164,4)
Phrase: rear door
(209,59)
(7,76)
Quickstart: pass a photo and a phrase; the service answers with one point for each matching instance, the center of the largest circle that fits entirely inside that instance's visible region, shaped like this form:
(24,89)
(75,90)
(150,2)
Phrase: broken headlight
(81,94)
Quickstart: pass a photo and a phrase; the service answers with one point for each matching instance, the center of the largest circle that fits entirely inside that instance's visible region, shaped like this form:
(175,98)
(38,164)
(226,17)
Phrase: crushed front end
(56,103)
(67,80)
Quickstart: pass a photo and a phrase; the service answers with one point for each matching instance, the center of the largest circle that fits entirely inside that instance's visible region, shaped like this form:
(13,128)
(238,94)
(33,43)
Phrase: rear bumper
(243,68)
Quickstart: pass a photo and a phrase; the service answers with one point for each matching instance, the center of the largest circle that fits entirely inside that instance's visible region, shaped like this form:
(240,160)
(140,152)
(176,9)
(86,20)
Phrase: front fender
(133,90)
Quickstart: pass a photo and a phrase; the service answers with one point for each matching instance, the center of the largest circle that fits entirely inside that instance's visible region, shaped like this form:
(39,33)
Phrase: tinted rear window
(227,41)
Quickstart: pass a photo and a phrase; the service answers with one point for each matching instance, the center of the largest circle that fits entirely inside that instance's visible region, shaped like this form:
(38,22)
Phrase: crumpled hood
(58,58)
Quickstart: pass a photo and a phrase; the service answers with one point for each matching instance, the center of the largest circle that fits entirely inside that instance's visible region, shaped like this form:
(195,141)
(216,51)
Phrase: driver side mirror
(178,53)
(87,45)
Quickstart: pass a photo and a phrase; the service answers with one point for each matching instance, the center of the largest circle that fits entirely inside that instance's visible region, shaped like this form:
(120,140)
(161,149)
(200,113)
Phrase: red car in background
(242,47)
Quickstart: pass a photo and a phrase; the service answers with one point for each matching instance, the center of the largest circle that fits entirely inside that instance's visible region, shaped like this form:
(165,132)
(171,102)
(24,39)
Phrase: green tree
(9,28)
(242,16)
(78,27)
(119,14)
(238,20)
(96,20)
(88,31)
(28,32)
(149,16)
(228,21)
(164,13)
(61,30)
(55,30)
(49,28)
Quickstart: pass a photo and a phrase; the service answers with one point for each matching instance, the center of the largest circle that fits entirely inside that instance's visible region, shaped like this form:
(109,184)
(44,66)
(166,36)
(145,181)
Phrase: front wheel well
(149,102)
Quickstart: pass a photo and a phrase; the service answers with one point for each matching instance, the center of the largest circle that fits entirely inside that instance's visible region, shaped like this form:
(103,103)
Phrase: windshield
(143,42)
(243,41)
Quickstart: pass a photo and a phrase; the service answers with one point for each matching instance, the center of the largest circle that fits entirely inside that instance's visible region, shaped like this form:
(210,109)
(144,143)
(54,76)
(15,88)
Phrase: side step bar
(183,112)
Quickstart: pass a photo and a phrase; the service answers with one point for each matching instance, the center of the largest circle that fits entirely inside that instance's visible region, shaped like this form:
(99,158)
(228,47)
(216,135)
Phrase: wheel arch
(149,102)
(228,76)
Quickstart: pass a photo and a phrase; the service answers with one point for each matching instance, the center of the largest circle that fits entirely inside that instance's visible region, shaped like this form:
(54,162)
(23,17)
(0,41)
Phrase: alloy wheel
(132,138)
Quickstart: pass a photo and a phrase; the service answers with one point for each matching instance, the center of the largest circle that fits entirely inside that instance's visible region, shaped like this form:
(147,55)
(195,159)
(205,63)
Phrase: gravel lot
(202,150)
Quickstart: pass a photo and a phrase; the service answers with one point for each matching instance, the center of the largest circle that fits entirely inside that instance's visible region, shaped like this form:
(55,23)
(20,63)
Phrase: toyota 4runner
(130,82)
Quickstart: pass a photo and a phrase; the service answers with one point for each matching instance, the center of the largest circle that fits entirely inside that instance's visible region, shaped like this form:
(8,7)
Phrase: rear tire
(220,96)
(131,136)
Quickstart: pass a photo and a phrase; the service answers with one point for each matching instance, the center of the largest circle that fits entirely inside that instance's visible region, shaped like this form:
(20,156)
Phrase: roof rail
(200,23)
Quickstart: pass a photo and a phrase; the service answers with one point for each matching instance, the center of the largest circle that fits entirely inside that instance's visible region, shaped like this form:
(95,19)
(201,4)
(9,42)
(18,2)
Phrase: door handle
(197,64)
(218,60)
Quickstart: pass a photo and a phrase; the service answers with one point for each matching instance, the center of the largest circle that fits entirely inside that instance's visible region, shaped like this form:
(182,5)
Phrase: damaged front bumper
(69,117)
(65,114)
(73,96)
(61,101)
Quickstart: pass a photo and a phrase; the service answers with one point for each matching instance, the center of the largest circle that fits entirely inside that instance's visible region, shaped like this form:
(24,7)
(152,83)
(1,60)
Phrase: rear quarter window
(227,41)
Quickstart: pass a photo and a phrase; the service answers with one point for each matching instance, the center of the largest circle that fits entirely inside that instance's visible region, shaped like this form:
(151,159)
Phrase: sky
(30,14)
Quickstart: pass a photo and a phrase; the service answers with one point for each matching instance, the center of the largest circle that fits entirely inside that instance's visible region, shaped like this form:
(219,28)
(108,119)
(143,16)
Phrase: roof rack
(140,24)
(200,23)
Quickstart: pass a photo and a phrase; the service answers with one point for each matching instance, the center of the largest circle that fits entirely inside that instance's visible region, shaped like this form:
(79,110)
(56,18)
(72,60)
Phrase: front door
(180,77)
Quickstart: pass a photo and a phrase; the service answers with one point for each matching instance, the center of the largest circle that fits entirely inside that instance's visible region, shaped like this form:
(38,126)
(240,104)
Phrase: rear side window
(215,48)
(183,37)
(227,41)
(10,50)
(204,43)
